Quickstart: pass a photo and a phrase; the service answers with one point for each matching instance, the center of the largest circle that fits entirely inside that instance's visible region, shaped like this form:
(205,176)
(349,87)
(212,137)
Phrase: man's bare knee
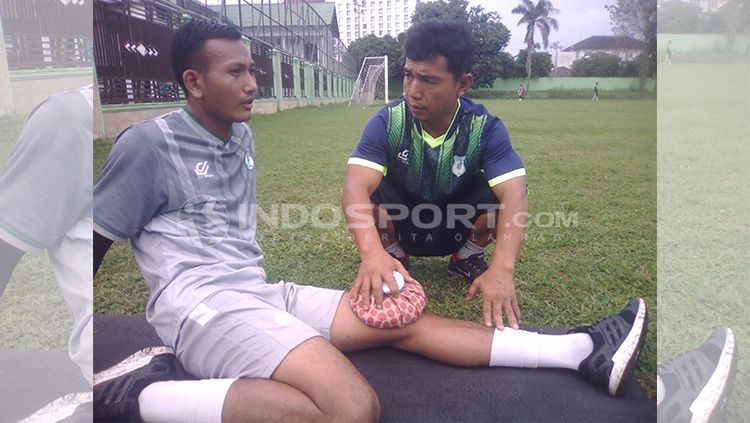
(360,406)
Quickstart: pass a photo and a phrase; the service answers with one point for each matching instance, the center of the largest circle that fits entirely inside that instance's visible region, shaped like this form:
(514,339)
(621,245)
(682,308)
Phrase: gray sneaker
(618,340)
(698,383)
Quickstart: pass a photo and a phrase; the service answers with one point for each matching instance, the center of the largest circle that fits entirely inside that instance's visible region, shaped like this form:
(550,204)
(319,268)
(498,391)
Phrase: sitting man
(440,176)
(181,187)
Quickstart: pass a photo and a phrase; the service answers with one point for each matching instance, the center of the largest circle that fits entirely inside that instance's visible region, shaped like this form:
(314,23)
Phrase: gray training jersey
(186,200)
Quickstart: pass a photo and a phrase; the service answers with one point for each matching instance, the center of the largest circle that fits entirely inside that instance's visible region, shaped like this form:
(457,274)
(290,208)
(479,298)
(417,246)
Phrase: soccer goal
(372,83)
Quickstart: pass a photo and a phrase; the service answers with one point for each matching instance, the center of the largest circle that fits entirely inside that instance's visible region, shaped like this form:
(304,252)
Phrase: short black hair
(448,38)
(188,42)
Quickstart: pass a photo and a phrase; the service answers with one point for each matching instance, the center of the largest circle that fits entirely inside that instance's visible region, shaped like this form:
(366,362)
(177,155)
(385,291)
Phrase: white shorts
(246,334)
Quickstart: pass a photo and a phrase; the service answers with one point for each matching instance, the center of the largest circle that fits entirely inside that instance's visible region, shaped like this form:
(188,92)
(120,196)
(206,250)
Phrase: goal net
(372,83)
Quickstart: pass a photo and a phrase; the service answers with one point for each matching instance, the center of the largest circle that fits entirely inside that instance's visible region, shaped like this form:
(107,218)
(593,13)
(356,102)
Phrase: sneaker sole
(624,357)
(133,362)
(60,408)
(709,400)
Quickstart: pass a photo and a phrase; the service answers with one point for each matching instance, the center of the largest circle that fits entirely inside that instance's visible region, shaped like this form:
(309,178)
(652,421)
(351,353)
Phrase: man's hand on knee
(498,298)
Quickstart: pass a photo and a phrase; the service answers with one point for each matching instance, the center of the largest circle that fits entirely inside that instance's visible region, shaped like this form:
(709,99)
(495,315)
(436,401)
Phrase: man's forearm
(510,230)
(359,214)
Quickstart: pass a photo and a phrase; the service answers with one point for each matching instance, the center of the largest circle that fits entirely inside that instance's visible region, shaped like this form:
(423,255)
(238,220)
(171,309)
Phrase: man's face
(431,90)
(228,83)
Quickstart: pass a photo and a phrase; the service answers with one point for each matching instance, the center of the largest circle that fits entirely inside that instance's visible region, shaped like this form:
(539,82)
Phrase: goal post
(371,86)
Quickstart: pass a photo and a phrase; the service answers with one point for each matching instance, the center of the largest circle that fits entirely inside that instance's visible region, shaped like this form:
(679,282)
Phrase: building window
(389,25)
(372,18)
(388,4)
(406,10)
(348,20)
(380,26)
(388,18)
(348,27)
(364,26)
(381,32)
(348,35)
(372,4)
(356,27)
(380,11)
(380,18)
(347,6)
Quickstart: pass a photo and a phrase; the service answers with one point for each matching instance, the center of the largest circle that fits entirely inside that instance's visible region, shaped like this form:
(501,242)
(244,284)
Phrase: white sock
(520,348)
(469,249)
(395,249)
(659,390)
(184,401)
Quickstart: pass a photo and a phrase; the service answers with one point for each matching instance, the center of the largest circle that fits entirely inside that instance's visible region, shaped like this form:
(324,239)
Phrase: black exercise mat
(31,379)
(415,389)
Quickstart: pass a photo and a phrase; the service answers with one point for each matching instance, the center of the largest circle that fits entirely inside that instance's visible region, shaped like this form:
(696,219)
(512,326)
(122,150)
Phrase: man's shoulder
(476,109)
(148,131)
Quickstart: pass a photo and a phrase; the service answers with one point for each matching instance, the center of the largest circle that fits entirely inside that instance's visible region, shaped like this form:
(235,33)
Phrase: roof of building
(607,42)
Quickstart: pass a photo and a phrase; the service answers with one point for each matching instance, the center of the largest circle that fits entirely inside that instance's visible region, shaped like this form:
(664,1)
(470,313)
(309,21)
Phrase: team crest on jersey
(459,167)
(249,162)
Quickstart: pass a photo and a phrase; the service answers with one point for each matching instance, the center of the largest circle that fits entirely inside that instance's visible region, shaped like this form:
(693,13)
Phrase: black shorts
(427,229)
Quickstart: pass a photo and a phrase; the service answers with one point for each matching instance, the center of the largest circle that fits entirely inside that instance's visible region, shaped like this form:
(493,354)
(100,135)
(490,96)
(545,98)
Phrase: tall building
(357,18)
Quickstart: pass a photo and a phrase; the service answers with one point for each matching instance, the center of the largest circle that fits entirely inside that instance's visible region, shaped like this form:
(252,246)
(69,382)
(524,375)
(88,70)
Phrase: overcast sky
(577,19)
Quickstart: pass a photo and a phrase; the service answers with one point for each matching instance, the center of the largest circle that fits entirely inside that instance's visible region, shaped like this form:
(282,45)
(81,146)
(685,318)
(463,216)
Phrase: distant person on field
(596,92)
(668,54)
(521,92)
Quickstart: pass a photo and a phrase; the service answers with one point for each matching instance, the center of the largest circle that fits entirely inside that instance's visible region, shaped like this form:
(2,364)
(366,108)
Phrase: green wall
(546,84)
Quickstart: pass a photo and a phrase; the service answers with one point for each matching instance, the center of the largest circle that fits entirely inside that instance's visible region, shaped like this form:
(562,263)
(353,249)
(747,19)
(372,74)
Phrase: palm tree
(535,17)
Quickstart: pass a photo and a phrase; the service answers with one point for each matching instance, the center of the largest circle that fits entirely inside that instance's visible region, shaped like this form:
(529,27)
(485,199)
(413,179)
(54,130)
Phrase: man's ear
(464,83)
(193,82)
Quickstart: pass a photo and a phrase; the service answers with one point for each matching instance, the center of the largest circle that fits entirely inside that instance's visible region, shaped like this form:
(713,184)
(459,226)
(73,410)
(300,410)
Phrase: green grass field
(704,226)
(594,161)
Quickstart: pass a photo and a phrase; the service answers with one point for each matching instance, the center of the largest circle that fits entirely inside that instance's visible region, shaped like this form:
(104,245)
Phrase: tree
(451,9)
(676,17)
(541,64)
(637,19)
(372,45)
(737,16)
(599,64)
(535,17)
(490,36)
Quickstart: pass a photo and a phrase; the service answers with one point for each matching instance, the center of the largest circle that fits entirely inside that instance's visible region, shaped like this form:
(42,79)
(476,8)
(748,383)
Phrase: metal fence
(132,41)
(47,33)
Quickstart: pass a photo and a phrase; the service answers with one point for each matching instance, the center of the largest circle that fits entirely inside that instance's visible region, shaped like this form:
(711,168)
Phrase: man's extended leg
(602,353)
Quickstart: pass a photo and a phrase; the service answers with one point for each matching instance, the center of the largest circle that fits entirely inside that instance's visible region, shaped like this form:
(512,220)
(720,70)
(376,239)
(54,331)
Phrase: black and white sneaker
(617,343)
(698,383)
(116,389)
(73,408)
(469,268)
